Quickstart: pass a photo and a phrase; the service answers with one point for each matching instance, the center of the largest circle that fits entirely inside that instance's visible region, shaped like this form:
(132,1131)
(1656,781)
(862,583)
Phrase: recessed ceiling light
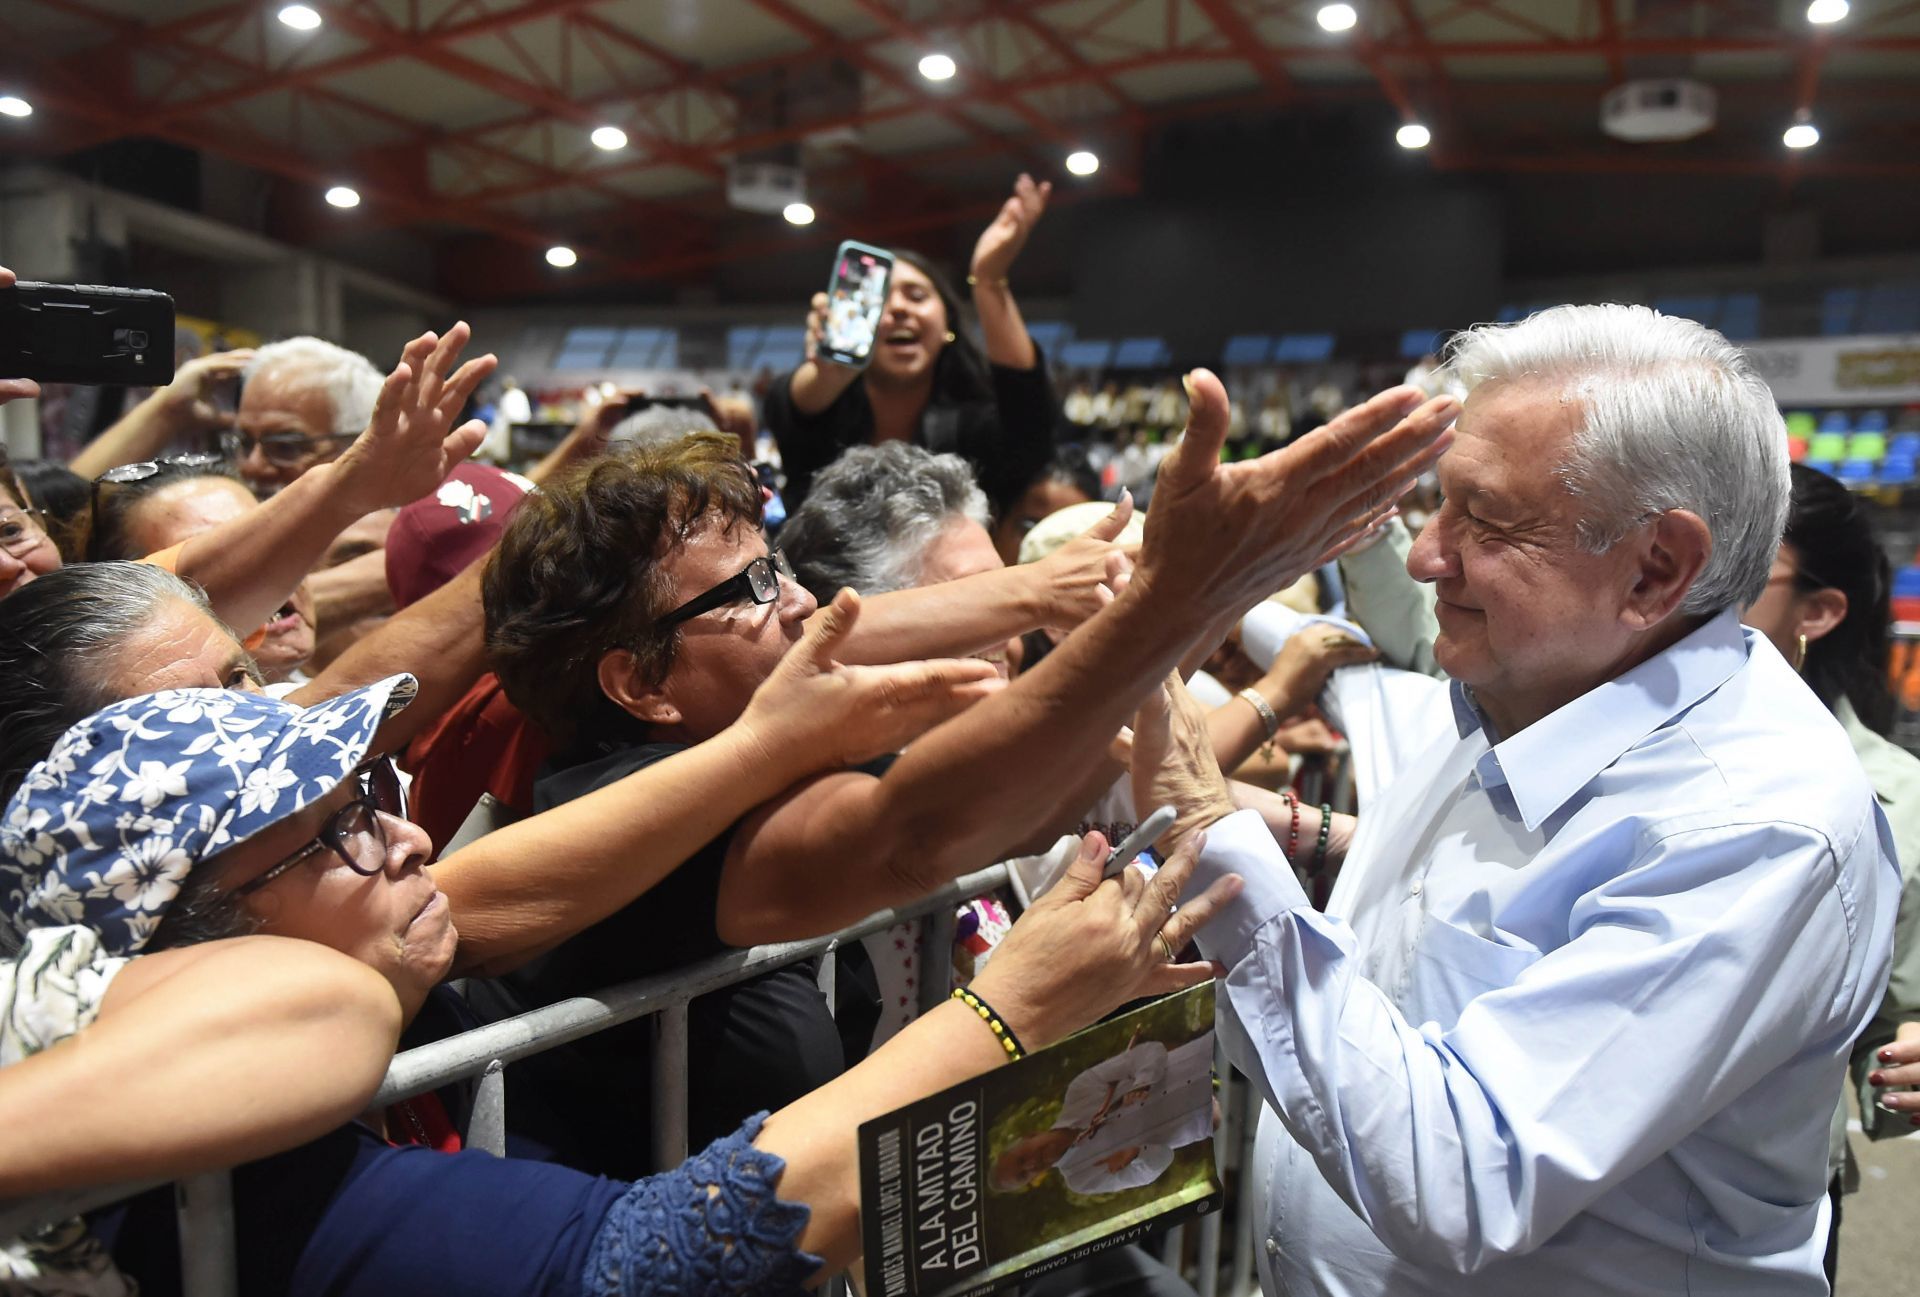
(300,18)
(14,106)
(343,196)
(937,67)
(561,255)
(1826,11)
(1801,135)
(798,214)
(1336,18)
(609,138)
(1413,136)
(1082,163)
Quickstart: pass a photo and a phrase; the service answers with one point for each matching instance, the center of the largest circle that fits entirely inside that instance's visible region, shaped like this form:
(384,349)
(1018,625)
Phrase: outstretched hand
(1001,242)
(190,396)
(815,705)
(410,444)
(1172,762)
(1083,575)
(1221,537)
(1087,946)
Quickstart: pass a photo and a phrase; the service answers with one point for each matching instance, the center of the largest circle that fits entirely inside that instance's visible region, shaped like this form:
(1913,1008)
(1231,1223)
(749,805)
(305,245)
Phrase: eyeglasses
(21,532)
(355,832)
(283,448)
(758,581)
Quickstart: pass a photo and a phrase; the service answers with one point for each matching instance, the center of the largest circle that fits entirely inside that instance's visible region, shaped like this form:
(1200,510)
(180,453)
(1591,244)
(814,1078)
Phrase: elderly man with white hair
(302,401)
(1574,1017)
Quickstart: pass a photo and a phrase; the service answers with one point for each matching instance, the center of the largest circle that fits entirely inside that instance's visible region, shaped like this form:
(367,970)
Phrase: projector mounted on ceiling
(1658,111)
(765,186)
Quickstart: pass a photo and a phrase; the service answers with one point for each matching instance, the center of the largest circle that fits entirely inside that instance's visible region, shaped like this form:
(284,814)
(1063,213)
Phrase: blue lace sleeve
(711,1226)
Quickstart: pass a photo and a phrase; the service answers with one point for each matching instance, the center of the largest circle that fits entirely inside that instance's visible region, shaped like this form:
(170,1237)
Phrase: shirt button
(1416,887)
(1273,1247)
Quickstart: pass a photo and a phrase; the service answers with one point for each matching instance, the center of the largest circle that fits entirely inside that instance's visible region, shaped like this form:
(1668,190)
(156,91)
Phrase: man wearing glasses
(303,401)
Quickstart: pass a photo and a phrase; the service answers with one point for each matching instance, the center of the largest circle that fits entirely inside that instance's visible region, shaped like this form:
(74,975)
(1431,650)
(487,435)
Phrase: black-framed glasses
(355,832)
(283,448)
(21,531)
(758,581)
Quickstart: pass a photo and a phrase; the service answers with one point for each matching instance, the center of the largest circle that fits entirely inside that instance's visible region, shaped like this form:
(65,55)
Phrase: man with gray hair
(302,401)
(1575,1014)
(889,517)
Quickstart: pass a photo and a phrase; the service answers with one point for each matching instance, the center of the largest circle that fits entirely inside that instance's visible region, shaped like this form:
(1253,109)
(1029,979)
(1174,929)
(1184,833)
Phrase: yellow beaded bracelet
(1002,1032)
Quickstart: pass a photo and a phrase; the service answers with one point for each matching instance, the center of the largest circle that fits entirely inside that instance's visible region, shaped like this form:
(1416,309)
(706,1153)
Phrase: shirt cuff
(1241,844)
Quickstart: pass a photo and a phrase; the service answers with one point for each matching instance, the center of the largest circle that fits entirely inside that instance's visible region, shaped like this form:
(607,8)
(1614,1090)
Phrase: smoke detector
(1657,111)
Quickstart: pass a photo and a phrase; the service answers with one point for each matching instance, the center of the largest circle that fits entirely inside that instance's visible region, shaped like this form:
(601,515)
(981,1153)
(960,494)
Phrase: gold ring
(1167,946)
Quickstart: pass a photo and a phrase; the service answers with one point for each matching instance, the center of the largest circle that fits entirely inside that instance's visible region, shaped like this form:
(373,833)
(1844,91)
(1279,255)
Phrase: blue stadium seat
(1702,308)
(1740,317)
(1904,443)
(1855,472)
(1870,421)
(1826,466)
(1898,470)
(1839,311)
(1415,343)
(1298,347)
(1247,349)
(1891,308)
(1835,421)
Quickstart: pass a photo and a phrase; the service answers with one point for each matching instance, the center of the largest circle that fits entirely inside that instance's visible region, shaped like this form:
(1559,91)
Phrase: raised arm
(846,843)
(599,852)
(248,1047)
(183,406)
(1001,326)
(249,565)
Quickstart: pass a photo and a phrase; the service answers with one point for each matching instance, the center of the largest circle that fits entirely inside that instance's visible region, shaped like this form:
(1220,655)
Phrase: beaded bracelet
(1320,847)
(1008,1041)
(1293,832)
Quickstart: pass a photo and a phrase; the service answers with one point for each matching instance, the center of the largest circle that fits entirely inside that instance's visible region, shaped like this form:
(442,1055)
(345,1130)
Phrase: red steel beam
(1609,25)
(1246,44)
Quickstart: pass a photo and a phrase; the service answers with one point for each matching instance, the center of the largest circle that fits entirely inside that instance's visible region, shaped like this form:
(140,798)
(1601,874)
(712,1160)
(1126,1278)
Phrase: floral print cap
(105,830)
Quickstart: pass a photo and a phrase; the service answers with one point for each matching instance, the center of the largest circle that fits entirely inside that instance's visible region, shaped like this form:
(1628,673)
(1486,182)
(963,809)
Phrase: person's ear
(1818,613)
(1672,551)
(627,687)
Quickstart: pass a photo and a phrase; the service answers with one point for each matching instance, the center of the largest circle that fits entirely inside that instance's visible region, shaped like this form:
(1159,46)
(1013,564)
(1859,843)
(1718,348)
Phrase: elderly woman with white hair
(281,820)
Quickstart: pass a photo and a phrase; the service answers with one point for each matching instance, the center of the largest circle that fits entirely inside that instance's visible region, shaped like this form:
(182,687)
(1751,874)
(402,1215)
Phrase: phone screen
(856,299)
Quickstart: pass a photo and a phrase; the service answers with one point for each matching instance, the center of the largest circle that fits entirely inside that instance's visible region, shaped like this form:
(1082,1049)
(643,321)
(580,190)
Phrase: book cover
(1082,1146)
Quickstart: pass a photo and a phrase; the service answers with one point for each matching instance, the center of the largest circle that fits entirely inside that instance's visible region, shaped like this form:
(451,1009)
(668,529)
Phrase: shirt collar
(1555,757)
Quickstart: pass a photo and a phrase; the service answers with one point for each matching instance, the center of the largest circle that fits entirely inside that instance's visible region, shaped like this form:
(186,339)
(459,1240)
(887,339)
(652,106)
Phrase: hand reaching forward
(1087,946)
(1899,1066)
(410,444)
(812,705)
(1173,764)
(1082,576)
(1221,537)
(190,396)
(1301,669)
(1001,241)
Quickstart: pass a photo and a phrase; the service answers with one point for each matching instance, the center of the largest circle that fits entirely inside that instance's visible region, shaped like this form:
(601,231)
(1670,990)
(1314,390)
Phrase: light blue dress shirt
(1574,1021)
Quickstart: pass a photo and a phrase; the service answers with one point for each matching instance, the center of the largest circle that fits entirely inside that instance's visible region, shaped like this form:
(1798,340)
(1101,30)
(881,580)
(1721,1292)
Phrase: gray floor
(1878,1247)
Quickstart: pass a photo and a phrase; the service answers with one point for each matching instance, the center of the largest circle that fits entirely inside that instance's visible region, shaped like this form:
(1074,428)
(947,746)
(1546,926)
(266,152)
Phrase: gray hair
(657,425)
(58,638)
(872,513)
(349,378)
(1674,418)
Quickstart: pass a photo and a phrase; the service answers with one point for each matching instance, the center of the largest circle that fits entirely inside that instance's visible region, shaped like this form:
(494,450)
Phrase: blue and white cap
(104,831)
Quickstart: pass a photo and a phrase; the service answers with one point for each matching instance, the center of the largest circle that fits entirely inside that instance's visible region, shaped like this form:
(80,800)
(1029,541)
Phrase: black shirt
(756,1045)
(1008,439)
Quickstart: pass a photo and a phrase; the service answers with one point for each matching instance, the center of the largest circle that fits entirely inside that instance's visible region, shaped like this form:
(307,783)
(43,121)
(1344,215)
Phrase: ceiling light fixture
(937,67)
(561,256)
(300,18)
(608,138)
(343,196)
(1826,11)
(1082,163)
(1801,135)
(15,106)
(798,214)
(1337,18)
(1413,136)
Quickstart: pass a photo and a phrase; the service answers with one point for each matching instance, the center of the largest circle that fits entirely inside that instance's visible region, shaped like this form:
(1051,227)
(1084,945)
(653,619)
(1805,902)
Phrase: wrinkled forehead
(1512,436)
(286,398)
(180,647)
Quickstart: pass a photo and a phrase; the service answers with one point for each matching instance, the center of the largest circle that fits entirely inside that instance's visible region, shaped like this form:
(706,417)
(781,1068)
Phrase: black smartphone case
(86,333)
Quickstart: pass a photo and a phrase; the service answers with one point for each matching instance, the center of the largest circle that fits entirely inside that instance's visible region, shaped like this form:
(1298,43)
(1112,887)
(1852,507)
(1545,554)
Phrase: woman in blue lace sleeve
(186,815)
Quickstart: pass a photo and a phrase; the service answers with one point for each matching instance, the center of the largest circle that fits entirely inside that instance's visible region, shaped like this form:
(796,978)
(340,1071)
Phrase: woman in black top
(927,381)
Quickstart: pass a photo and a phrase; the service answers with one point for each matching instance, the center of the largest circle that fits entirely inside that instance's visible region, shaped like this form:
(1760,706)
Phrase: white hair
(1674,418)
(872,514)
(349,379)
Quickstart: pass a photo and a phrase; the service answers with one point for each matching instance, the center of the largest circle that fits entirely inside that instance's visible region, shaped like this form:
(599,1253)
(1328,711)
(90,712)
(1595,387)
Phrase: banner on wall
(1875,370)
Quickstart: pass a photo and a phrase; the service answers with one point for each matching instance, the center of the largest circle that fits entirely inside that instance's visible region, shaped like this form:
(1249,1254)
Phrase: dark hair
(108,527)
(61,495)
(577,575)
(56,634)
(1834,548)
(1070,467)
(960,373)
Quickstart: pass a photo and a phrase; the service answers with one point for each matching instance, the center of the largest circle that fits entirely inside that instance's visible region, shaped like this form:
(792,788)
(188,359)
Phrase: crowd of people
(306,722)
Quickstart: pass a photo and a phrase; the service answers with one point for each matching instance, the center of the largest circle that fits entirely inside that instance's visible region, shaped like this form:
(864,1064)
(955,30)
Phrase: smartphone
(856,299)
(86,333)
